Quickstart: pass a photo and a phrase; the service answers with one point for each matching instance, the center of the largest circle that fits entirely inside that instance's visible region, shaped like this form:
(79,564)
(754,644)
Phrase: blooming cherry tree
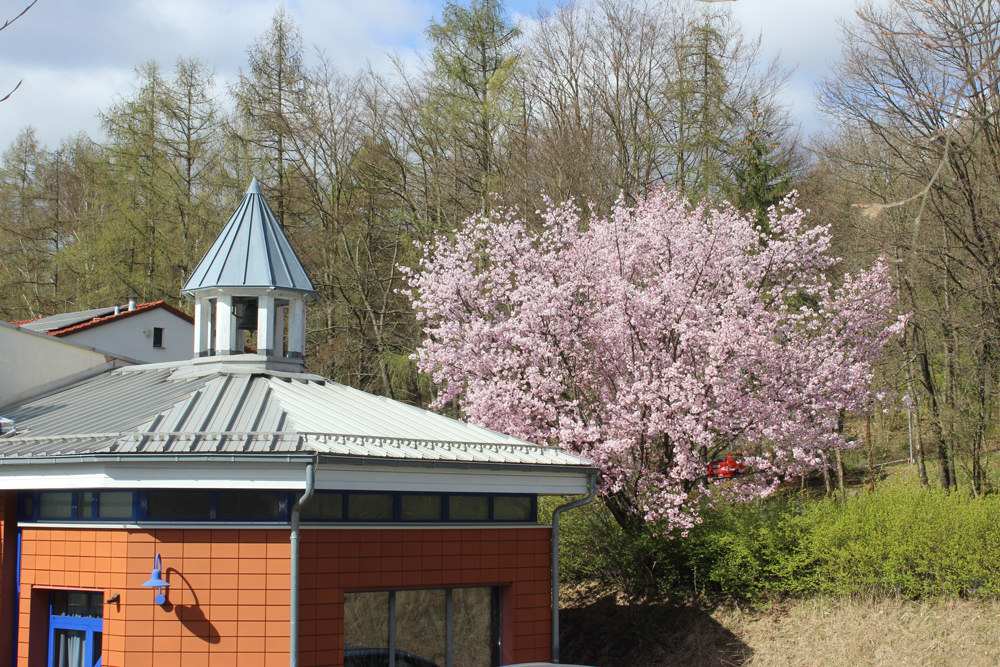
(652,340)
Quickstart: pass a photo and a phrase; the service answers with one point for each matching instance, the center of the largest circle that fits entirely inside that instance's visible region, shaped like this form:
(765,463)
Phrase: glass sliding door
(443,627)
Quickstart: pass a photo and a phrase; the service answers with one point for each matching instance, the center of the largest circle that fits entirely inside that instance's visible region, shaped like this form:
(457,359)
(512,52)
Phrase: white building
(145,332)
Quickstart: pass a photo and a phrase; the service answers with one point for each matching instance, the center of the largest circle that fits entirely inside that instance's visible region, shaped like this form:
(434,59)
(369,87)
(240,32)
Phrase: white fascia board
(254,475)
(451,480)
(290,476)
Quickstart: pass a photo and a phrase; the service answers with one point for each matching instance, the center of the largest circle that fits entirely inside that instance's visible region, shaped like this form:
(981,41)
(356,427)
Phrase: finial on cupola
(251,280)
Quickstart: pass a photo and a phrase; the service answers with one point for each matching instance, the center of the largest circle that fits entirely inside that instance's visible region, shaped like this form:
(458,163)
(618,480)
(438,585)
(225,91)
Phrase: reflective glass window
(421,624)
(115,505)
(420,507)
(512,508)
(179,505)
(56,505)
(469,508)
(324,507)
(370,506)
(248,506)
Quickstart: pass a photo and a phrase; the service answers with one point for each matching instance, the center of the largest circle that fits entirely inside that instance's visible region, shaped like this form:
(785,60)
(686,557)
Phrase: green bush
(750,551)
(908,541)
(901,540)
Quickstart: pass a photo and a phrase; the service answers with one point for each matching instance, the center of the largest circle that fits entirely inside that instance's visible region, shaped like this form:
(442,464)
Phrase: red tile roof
(123,313)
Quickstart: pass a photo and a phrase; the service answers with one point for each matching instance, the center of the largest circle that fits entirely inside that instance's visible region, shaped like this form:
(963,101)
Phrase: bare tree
(5,25)
(920,80)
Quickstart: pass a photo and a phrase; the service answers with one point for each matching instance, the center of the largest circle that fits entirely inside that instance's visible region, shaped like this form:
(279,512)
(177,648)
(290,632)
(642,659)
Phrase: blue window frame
(76,628)
(17,602)
(274,506)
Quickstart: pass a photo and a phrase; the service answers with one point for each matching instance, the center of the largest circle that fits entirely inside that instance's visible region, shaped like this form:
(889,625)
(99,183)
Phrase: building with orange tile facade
(235,510)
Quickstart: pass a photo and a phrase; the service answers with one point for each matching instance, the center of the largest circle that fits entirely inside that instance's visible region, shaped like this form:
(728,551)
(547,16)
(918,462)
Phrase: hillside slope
(604,631)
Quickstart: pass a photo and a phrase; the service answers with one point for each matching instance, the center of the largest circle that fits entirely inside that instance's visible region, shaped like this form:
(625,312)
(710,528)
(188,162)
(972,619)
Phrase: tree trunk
(945,473)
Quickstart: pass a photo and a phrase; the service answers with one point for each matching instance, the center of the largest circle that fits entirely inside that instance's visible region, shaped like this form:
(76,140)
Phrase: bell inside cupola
(245,309)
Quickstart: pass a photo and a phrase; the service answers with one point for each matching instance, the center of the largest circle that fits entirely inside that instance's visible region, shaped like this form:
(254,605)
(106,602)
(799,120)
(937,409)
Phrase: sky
(76,57)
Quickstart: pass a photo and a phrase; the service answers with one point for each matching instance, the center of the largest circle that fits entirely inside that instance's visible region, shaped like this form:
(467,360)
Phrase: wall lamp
(157,582)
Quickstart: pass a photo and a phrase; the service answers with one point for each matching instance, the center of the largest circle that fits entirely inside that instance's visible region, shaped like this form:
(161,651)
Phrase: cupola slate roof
(251,251)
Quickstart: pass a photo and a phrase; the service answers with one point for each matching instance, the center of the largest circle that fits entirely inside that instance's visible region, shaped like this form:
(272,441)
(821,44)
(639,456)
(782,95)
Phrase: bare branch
(23,12)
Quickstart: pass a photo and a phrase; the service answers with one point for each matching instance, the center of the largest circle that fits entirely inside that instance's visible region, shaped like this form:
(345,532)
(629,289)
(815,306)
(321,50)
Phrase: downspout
(293,637)
(591,489)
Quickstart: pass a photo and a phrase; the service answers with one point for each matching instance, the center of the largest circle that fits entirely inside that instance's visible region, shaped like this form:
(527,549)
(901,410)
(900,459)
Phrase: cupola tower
(251,282)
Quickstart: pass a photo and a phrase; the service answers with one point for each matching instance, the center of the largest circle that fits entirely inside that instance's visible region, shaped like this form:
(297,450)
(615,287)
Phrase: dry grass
(606,631)
(876,633)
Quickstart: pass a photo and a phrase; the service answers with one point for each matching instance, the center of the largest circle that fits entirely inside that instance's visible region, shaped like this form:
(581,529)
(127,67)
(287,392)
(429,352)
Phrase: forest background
(603,99)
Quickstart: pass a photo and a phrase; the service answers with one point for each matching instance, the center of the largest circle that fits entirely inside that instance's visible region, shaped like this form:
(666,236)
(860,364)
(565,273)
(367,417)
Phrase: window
(179,505)
(415,507)
(273,506)
(469,508)
(76,628)
(249,505)
(512,508)
(114,505)
(370,507)
(324,507)
(157,337)
(56,505)
(441,627)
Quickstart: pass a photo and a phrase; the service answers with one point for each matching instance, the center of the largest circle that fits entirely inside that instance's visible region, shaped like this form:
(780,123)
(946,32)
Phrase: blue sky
(75,56)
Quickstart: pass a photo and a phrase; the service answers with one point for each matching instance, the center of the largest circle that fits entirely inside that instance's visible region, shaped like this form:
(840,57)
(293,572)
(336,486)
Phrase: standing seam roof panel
(360,412)
(231,412)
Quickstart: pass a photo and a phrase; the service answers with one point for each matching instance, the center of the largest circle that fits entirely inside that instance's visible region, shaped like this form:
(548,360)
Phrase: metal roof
(227,409)
(251,251)
(63,320)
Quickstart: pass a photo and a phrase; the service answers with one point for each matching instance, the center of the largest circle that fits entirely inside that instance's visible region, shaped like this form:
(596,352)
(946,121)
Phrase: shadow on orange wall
(191,616)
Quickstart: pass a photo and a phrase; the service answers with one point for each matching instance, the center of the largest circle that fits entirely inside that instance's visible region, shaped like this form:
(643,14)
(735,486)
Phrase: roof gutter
(292,458)
(293,637)
(591,490)
(154,458)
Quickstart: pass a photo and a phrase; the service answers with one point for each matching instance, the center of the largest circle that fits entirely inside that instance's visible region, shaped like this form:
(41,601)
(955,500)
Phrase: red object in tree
(731,466)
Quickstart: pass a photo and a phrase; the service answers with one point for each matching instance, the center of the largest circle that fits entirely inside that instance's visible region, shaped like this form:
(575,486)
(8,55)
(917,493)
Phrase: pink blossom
(653,339)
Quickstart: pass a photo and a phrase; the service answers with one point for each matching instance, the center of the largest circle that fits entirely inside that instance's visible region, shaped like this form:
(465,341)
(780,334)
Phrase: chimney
(131,302)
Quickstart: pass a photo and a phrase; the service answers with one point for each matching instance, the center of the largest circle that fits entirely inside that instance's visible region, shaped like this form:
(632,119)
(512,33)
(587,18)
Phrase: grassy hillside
(607,631)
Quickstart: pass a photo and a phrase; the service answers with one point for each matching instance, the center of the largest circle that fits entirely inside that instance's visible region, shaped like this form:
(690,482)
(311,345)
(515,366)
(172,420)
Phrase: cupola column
(279,330)
(265,326)
(297,329)
(225,332)
(202,313)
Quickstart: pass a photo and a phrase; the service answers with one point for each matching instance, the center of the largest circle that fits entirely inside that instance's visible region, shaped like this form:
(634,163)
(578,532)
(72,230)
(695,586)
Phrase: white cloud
(806,34)
(75,57)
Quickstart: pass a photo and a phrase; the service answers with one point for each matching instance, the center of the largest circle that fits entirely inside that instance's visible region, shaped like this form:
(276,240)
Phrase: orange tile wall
(335,561)
(229,593)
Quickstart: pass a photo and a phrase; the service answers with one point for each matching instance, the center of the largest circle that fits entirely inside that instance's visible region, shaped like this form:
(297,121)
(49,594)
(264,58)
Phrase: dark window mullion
(448,631)
(392,628)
